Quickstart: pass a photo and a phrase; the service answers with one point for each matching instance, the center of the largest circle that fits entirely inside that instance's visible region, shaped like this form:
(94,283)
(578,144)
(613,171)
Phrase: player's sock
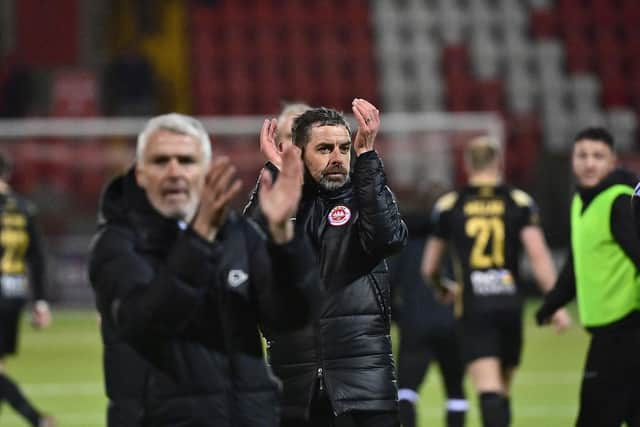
(456,412)
(407,399)
(10,392)
(494,410)
(507,404)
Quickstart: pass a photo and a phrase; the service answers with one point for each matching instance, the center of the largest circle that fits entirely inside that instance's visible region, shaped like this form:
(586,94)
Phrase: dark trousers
(610,391)
(125,413)
(416,354)
(321,415)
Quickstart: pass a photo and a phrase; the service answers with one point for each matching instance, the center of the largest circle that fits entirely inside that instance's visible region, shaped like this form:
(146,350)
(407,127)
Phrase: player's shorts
(492,334)
(9,323)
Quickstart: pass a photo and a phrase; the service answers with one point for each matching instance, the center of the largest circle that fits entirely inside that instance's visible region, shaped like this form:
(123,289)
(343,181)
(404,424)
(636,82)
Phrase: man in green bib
(602,273)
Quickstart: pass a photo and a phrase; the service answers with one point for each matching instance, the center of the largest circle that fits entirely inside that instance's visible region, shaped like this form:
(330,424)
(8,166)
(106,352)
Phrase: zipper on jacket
(320,379)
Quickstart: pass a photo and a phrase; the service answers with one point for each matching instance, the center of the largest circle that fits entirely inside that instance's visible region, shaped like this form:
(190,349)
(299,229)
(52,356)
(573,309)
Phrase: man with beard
(601,271)
(182,284)
(339,369)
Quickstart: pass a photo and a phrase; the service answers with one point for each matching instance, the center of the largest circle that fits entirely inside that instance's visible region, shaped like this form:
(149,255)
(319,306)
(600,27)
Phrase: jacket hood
(121,196)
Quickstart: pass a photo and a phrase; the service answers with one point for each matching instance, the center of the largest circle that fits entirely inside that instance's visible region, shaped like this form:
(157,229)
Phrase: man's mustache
(335,169)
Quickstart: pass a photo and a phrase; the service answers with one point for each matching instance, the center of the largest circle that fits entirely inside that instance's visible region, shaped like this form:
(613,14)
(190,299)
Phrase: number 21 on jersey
(488,241)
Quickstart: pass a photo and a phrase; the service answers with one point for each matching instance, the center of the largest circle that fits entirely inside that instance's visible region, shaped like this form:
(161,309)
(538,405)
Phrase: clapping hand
(279,200)
(219,190)
(268,145)
(368,118)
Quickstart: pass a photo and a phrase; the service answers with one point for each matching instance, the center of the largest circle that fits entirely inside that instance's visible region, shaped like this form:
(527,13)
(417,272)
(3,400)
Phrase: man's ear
(141,178)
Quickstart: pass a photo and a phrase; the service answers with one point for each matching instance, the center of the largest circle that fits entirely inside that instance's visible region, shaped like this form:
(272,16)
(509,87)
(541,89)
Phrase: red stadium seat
(455,57)
(630,14)
(605,14)
(608,46)
(543,23)
(459,93)
(233,35)
(580,55)
(615,92)
(488,96)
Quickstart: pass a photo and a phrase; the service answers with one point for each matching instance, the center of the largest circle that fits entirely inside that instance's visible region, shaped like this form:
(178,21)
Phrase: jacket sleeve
(623,228)
(563,292)
(252,208)
(36,260)
(286,282)
(140,298)
(381,229)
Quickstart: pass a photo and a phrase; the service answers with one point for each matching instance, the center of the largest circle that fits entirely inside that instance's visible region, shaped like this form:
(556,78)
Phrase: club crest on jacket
(339,215)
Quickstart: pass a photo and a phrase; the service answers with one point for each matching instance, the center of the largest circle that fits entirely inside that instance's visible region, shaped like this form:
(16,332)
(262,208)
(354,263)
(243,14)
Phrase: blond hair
(292,109)
(481,152)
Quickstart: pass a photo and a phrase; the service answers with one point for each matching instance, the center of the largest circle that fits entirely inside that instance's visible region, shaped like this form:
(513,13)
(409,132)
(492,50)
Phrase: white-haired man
(182,284)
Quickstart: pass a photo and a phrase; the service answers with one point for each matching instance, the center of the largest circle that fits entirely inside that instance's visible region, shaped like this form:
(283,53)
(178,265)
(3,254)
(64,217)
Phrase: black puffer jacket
(348,346)
(180,315)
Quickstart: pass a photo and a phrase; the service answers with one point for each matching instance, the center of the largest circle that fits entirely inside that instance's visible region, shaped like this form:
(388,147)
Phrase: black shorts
(492,334)
(9,323)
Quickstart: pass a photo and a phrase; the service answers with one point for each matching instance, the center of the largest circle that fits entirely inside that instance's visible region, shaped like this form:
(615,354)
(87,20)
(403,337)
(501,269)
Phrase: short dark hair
(316,117)
(595,134)
(5,166)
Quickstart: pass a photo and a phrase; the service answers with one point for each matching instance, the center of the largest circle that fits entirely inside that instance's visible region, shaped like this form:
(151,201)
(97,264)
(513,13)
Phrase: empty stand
(249,55)
(555,66)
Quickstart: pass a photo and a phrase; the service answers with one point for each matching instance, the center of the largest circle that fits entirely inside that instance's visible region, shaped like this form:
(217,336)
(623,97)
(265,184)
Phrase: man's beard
(185,212)
(333,184)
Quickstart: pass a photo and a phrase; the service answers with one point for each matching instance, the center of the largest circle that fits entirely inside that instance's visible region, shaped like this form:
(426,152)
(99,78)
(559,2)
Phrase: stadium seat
(488,96)
(481,14)
(615,92)
(237,37)
(543,23)
(605,14)
(623,124)
(564,58)
(584,90)
(485,57)
(580,55)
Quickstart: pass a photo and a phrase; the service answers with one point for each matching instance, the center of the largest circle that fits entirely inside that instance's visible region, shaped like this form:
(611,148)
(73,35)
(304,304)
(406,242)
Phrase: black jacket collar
(125,203)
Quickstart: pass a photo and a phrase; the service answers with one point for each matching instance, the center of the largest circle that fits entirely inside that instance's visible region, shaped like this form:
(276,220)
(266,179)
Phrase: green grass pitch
(60,370)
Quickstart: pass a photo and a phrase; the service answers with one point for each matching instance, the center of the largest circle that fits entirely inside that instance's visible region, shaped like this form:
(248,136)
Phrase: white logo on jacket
(339,215)
(236,278)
